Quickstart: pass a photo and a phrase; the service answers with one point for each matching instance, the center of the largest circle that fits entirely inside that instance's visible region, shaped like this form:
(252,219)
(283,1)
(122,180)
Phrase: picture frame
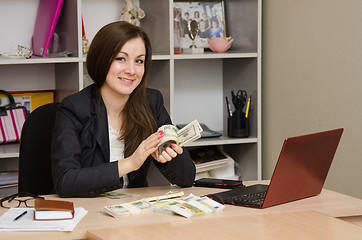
(209,14)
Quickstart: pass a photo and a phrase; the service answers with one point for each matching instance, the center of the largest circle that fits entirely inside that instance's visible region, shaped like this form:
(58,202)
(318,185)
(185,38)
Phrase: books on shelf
(209,158)
(9,179)
(53,209)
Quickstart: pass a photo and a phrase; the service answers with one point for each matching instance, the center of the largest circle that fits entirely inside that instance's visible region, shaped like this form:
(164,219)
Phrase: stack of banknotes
(127,209)
(180,137)
(188,207)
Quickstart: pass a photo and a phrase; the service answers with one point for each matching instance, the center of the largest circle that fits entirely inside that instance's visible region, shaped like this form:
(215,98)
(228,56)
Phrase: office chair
(35,174)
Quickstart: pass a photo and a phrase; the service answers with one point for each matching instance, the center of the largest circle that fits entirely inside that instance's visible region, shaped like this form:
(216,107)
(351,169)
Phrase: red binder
(46,20)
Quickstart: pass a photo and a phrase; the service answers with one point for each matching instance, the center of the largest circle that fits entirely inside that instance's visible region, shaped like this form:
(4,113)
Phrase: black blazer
(80,149)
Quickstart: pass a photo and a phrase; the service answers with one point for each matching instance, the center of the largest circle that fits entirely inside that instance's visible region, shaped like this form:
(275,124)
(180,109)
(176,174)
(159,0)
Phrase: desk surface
(298,225)
(328,203)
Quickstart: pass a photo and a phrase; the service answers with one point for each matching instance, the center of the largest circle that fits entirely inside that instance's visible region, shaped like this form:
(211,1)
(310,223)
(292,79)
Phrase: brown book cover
(53,209)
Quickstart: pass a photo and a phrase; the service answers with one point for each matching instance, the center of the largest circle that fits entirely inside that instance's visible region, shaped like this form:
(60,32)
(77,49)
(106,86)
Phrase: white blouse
(116,147)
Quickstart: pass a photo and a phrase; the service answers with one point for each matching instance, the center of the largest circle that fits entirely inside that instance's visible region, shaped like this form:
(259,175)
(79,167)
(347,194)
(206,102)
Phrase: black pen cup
(238,125)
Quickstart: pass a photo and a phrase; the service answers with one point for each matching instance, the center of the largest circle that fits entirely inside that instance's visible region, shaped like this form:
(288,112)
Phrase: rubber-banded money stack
(185,135)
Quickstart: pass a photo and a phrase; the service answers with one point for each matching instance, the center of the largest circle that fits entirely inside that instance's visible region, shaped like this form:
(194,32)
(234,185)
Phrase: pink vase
(220,45)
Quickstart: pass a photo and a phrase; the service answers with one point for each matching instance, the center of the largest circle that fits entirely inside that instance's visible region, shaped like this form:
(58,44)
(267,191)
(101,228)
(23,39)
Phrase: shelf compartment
(9,150)
(221,141)
(37,60)
(211,55)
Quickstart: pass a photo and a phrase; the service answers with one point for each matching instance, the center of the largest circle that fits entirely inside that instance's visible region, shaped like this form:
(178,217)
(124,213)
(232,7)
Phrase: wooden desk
(328,202)
(299,225)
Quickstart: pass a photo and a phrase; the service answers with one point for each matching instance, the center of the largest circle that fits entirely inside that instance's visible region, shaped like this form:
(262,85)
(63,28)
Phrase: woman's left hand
(168,154)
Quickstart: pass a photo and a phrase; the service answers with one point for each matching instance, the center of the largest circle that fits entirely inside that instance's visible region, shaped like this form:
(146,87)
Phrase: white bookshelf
(194,86)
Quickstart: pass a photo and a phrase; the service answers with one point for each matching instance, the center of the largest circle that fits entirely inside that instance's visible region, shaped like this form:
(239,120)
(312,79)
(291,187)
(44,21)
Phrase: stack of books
(209,158)
(9,179)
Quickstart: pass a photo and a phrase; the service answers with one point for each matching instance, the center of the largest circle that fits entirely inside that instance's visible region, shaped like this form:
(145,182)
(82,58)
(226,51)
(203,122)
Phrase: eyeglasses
(15,200)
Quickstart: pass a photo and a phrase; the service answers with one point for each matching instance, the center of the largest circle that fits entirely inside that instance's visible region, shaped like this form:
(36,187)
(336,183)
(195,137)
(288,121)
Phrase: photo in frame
(210,16)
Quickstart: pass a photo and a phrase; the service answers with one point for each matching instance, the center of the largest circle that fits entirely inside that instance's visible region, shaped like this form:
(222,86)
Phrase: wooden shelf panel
(9,150)
(37,60)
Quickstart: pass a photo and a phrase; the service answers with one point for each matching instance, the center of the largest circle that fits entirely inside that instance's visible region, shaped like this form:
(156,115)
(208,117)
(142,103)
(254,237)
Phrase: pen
(18,217)
(230,114)
(248,108)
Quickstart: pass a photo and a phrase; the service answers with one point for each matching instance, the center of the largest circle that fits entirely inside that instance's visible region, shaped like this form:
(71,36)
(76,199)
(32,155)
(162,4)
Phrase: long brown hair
(138,122)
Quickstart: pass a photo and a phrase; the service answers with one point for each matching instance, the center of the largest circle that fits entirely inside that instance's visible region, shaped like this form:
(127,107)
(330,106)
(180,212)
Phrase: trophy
(192,30)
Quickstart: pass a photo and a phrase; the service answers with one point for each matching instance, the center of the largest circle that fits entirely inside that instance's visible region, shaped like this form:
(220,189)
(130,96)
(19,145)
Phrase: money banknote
(180,137)
(192,205)
(127,209)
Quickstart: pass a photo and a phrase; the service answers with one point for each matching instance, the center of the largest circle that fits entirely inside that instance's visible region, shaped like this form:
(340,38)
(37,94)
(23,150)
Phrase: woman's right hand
(135,161)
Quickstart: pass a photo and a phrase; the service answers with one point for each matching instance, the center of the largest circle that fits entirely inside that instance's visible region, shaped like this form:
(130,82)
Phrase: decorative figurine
(131,13)
(85,46)
(18,52)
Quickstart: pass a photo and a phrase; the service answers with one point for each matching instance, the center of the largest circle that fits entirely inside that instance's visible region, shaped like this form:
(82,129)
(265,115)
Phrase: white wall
(312,81)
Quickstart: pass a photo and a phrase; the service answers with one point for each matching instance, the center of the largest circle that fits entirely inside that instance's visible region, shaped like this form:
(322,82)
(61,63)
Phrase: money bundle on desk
(188,207)
(192,206)
(185,135)
(127,209)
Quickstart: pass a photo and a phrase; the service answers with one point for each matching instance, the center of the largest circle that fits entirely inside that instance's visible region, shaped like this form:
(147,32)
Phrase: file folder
(45,23)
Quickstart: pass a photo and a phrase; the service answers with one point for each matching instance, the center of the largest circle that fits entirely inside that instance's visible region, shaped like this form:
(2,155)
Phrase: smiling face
(127,69)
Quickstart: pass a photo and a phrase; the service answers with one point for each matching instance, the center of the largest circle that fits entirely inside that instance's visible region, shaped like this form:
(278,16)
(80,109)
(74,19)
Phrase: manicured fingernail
(173,145)
(161,132)
(160,137)
(159,154)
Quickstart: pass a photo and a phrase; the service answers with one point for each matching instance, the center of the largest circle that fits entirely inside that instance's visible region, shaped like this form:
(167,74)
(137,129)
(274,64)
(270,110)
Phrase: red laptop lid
(302,167)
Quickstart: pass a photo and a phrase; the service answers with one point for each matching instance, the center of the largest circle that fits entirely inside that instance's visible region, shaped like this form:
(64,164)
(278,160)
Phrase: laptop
(300,172)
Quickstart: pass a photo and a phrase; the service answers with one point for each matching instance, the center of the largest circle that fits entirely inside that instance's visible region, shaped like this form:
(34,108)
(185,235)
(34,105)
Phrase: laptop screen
(302,166)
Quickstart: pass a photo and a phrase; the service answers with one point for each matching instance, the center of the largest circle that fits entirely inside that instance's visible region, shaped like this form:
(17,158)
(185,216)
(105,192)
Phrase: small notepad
(53,210)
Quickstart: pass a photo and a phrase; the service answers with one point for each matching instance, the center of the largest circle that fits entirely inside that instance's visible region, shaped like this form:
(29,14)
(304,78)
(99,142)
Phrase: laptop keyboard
(254,199)
(251,196)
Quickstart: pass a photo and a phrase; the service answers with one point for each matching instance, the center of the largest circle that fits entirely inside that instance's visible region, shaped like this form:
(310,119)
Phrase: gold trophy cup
(192,30)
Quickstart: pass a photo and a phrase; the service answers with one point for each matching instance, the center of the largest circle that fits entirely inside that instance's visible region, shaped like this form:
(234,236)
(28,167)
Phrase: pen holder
(238,125)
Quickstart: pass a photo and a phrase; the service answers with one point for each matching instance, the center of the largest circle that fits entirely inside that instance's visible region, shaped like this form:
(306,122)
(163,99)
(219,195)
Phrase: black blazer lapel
(100,130)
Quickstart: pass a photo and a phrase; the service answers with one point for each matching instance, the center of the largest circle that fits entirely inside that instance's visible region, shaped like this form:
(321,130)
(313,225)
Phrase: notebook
(46,20)
(53,209)
(300,172)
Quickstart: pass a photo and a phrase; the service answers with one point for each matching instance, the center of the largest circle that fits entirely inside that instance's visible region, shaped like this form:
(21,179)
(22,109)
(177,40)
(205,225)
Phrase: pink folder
(46,20)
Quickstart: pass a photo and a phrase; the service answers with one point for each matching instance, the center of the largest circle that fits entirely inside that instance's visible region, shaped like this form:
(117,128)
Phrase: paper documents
(185,135)
(27,223)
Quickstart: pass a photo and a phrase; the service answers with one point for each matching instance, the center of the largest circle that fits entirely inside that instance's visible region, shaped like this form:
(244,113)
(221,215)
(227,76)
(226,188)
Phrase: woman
(104,135)
(203,32)
(215,17)
(197,17)
(215,30)
(206,19)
